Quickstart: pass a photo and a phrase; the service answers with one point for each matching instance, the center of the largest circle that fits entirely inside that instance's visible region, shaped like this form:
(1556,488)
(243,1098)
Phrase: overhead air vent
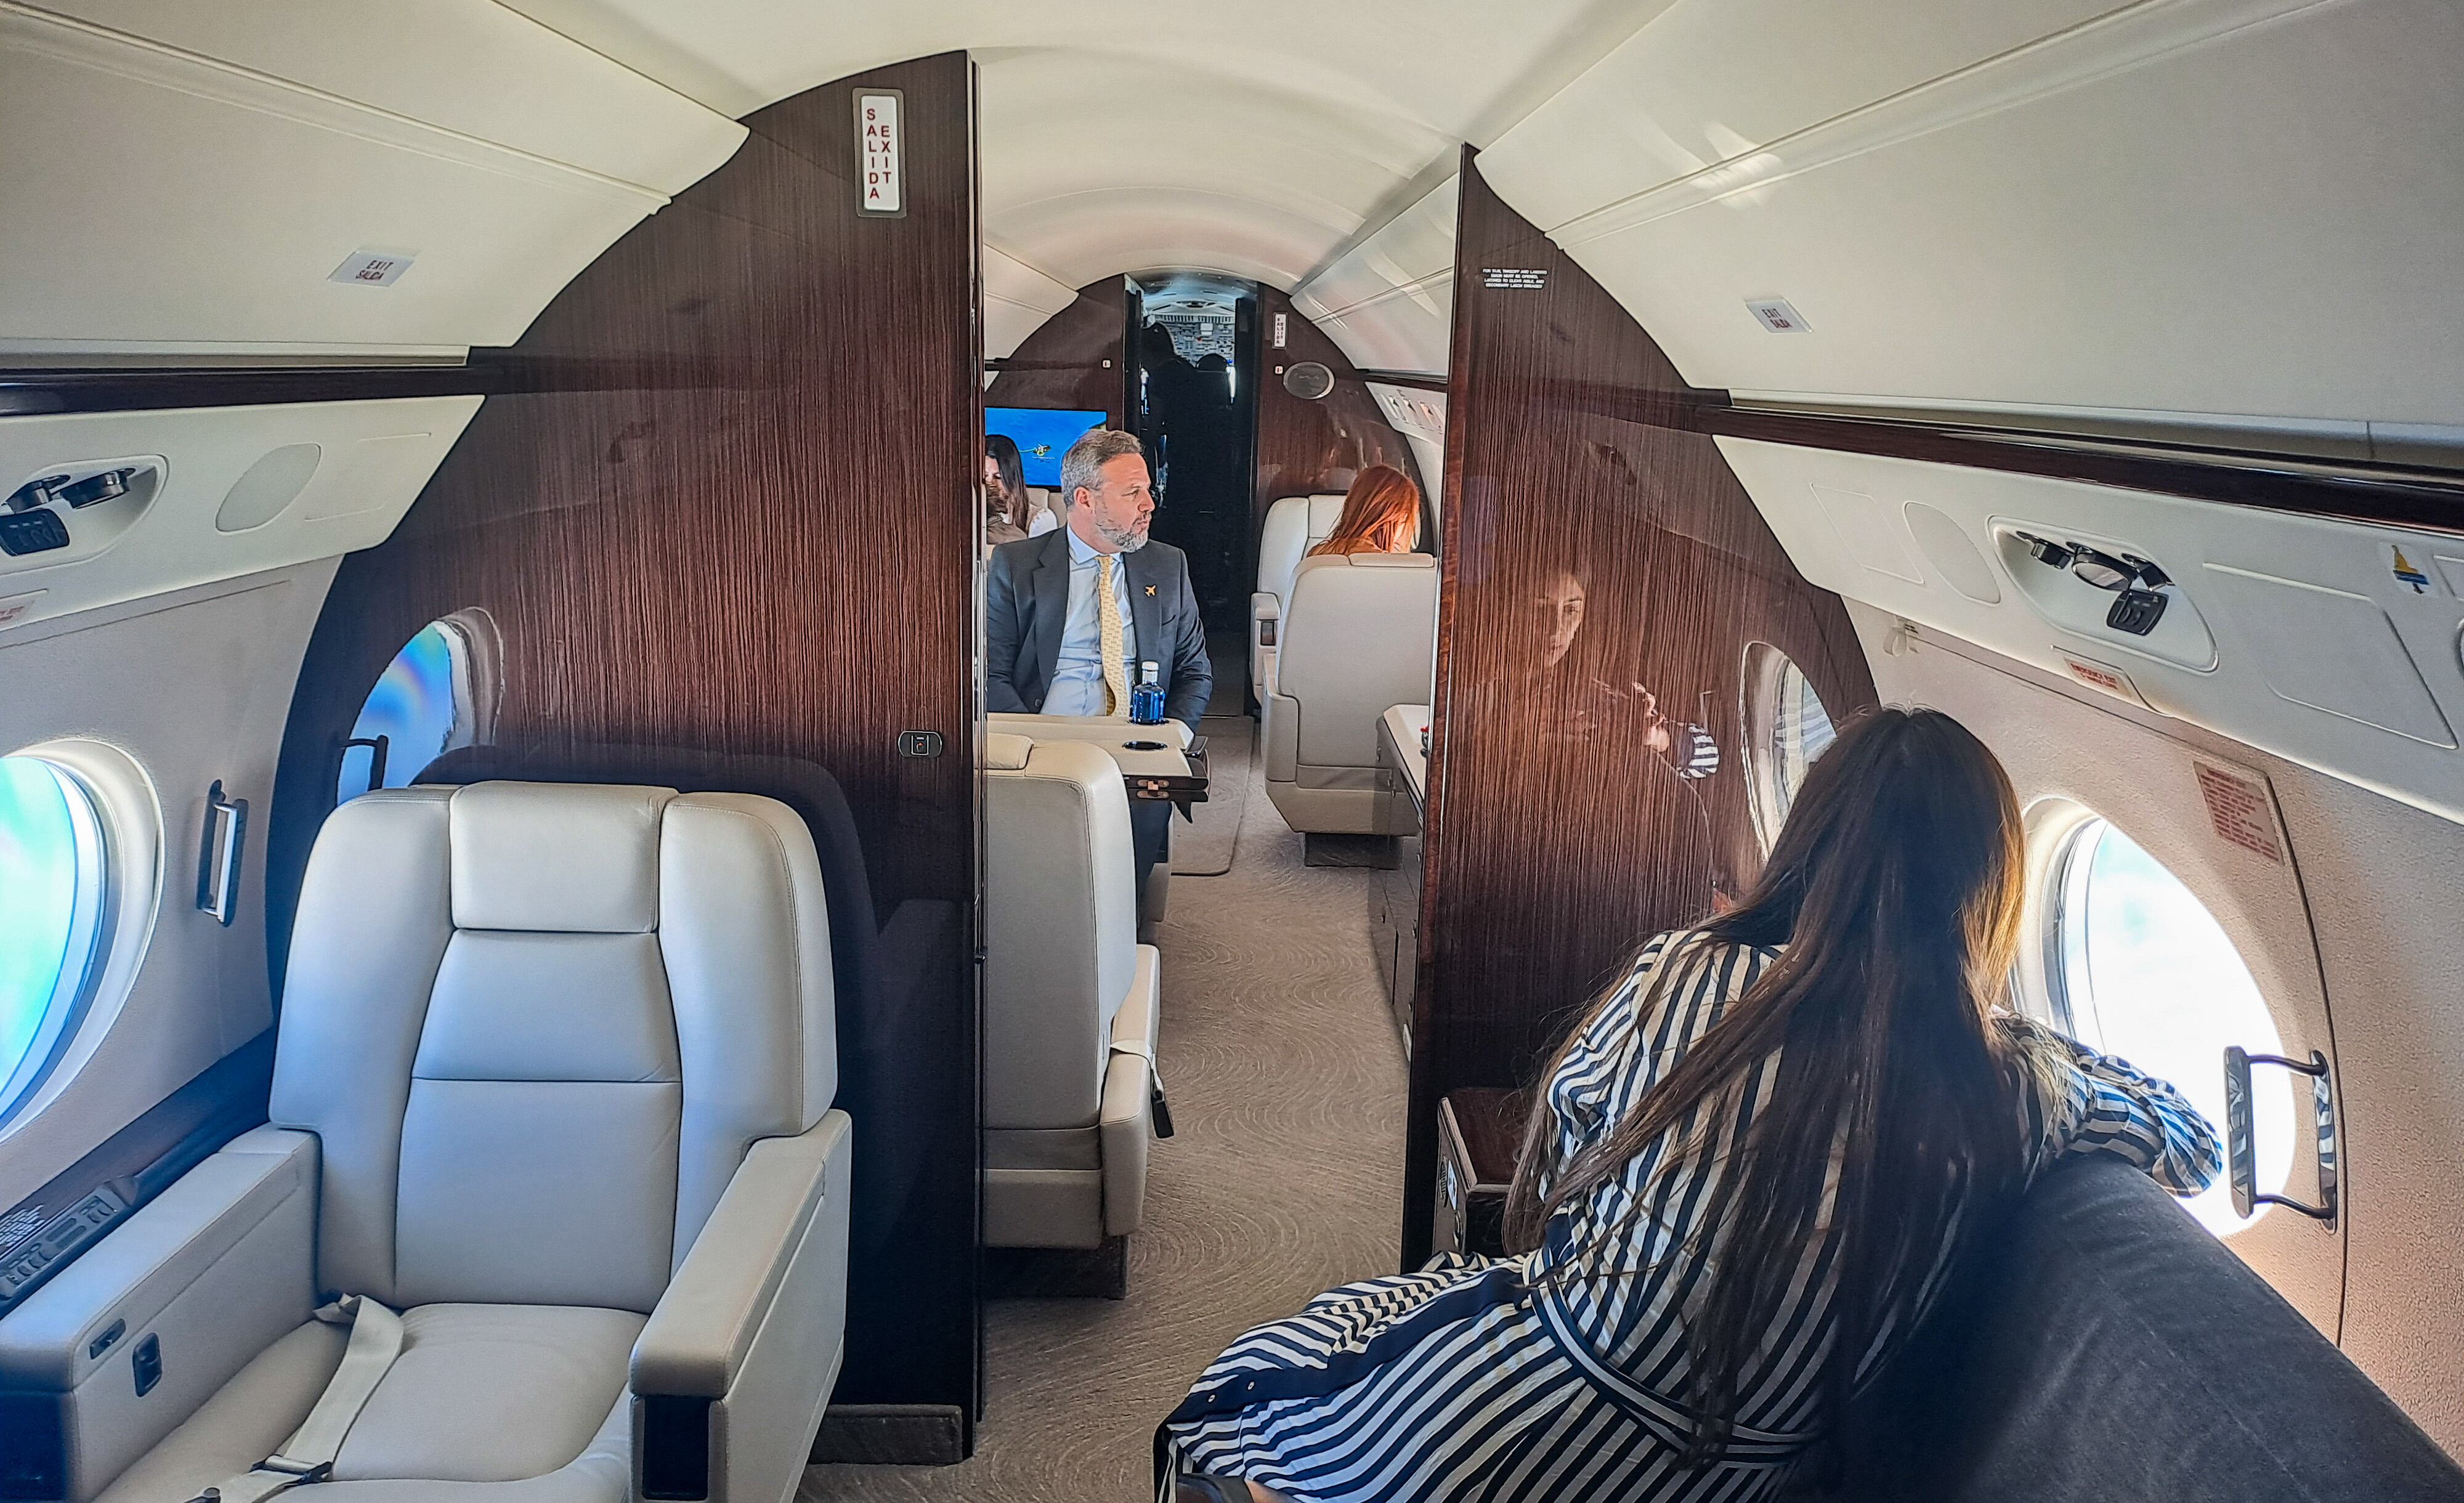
(1945,546)
(268,487)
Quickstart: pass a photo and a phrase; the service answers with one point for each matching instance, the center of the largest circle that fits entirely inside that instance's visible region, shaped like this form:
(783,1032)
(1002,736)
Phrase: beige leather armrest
(1103,730)
(755,1319)
(1265,613)
(216,1268)
(1126,1125)
(704,1328)
(1283,734)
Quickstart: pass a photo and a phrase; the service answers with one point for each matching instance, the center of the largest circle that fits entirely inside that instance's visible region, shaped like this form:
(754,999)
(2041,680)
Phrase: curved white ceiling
(1257,141)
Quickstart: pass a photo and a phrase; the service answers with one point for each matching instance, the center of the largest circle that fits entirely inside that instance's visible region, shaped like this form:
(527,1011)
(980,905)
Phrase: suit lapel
(1051,604)
(1145,608)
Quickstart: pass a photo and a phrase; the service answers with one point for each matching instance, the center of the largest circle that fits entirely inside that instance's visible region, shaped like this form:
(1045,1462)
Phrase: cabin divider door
(1606,584)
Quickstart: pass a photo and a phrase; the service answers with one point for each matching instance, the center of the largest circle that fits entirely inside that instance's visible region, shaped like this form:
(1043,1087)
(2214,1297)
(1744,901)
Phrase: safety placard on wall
(2240,809)
(881,143)
(2100,676)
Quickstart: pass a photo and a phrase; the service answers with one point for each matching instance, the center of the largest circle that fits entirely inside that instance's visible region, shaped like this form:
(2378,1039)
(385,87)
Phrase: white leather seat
(1070,999)
(1044,510)
(1294,525)
(1359,634)
(553,1076)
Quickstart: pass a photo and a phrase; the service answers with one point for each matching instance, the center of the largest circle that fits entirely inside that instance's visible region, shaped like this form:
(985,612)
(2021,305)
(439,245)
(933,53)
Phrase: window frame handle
(378,745)
(219,854)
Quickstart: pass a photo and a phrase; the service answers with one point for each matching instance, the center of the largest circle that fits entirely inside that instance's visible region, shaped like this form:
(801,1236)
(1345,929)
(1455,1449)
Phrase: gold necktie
(1108,612)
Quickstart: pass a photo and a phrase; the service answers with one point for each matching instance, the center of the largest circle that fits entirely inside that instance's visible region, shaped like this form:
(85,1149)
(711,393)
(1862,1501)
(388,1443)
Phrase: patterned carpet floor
(1286,1083)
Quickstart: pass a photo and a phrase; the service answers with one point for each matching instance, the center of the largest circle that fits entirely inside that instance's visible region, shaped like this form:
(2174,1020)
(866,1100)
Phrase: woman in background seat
(1747,1175)
(1381,514)
(1005,499)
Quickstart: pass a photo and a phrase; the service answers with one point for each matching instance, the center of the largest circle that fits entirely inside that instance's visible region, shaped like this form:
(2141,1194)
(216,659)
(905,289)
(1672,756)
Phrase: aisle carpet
(1287,1082)
(1204,845)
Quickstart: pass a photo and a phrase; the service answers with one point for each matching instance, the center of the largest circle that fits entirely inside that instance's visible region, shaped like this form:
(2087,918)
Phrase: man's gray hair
(1084,463)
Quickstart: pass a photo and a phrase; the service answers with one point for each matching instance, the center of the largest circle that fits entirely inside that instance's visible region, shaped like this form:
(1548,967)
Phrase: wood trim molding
(1412,380)
(2354,490)
(2308,485)
(487,372)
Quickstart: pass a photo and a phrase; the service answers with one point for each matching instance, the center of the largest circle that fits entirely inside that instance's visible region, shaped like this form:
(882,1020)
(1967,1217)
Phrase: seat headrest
(557,858)
(1318,562)
(1004,752)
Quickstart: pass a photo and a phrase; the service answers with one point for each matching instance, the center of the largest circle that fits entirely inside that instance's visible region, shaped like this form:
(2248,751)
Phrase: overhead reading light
(26,524)
(33,518)
(2134,580)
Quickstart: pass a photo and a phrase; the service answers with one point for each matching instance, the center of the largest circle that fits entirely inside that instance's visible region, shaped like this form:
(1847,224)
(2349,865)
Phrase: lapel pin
(1151,590)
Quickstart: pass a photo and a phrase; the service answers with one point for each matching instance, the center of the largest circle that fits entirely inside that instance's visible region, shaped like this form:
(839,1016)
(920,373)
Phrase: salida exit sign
(880,146)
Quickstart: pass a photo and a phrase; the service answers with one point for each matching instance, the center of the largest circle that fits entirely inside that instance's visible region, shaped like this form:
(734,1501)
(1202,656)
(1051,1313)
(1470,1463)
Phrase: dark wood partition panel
(1604,579)
(1306,447)
(1075,359)
(761,542)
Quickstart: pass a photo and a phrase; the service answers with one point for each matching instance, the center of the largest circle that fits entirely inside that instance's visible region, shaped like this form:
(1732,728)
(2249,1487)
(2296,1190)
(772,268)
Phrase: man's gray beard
(1125,541)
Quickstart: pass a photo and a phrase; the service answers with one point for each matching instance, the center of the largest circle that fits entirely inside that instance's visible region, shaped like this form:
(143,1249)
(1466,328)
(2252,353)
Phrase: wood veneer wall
(1557,841)
(1305,447)
(764,542)
(1074,361)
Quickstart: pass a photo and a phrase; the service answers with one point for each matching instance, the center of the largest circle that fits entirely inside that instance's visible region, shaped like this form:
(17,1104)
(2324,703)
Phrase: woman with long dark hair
(1747,1174)
(1006,496)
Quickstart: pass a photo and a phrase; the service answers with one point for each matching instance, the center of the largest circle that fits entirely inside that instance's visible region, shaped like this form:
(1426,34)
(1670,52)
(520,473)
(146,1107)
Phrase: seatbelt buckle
(304,1470)
(291,1472)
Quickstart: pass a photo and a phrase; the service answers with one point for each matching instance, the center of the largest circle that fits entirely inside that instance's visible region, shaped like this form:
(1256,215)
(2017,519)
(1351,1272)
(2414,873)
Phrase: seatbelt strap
(1136,1048)
(308,1455)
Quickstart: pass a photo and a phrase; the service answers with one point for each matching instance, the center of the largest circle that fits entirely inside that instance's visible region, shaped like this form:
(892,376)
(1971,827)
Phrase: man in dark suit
(1068,616)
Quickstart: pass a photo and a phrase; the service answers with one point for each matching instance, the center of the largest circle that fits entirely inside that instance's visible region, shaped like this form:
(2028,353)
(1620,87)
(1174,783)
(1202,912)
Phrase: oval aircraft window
(1787,727)
(2141,970)
(438,693)
(52,866)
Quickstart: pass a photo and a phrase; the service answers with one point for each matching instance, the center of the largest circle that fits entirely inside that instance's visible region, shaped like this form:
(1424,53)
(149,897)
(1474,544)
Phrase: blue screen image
(1043,435)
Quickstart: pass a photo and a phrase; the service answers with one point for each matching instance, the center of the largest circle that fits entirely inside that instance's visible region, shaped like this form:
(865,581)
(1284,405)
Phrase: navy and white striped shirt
(1476,1378)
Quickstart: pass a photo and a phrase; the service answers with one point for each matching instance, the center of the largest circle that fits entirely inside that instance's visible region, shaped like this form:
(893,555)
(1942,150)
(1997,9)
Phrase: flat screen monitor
(1043,435)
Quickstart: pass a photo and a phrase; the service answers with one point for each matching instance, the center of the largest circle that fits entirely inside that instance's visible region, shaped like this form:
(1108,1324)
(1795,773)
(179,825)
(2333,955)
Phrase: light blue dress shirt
(1077,685)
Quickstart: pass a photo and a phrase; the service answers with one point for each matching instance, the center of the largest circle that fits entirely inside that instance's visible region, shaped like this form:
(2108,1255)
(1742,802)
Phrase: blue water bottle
(1146,700)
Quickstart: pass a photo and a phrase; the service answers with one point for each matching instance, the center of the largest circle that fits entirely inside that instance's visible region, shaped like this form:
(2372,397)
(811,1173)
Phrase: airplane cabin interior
(757,750)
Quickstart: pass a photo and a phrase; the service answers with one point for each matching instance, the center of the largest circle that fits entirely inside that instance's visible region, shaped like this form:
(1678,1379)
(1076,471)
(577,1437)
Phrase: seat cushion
(480,1394)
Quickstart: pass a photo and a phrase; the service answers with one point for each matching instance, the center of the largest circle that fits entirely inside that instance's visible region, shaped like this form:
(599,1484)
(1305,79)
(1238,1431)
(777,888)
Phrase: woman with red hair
(1381,514)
